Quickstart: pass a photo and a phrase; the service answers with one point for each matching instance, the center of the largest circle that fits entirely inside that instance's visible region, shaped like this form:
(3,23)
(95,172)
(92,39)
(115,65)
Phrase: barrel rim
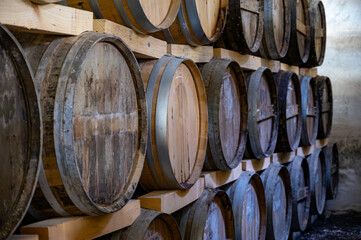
(321,82)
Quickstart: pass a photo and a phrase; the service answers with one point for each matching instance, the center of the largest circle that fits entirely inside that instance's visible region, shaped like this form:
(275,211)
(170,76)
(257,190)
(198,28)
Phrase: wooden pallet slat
(201,54)
(289,68)
(311,72)
(215,179)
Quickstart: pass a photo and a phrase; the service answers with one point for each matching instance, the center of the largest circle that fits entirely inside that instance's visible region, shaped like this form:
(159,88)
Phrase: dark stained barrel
(227,113)
(300,41)
(310,110)
(276,29)
(249,206)
(289,103)
(244,26)
(317,165)
(199,22)
(210,217)
(301,197)
(317,34)
(324,88)
(20,133)
(262,114)
(95,124)
(143,16)
(177,114)
(277,185)
(332,166)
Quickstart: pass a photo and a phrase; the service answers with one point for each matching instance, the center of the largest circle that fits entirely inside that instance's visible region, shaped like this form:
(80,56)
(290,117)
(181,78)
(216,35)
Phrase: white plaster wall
(343,65)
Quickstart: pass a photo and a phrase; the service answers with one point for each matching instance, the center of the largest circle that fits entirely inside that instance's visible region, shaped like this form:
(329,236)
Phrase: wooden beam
(301,27)
(214,179)
(286,67)
(282,158)
(320,143)
(273,65)
(171,201)
(311,72)
(23,237)
(85,227)
(200,54)
(256,165)
(49,19)
(144,46)
(305,151)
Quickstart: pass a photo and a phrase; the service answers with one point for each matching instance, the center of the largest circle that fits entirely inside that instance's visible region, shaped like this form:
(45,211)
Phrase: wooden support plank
(201,54)
(320,143)
(23,237)
(319,32)
(301,27)
(312,72)
(250,6)
(214,179)
(85,227)
(256,165)
(282,158)
(286,67)
(143,46)
(273,65)
(173,200)
(305,151)
(49,19)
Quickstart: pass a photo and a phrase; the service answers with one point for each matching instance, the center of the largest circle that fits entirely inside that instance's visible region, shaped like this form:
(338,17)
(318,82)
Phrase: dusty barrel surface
(199,22)
(289,103)
(324,88)
(227,114)
(277,29)
(143,16)
(210,217)
(317,34)
(177,123)
(332,168)
(277,185)
(301,197)
(244,26)
(300,39)
(95,123)
(317,166)
(20,133)
(310,110)
(262,114)
(249,206)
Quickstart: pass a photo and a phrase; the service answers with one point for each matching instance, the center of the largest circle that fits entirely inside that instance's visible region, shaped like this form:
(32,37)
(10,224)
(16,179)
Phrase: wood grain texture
(332,170)
(200,54)
(325,94)
(215,179)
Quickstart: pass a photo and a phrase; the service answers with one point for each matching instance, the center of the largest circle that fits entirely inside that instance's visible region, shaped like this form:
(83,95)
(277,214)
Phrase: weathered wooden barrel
(227,113)
(244,26)
(45,1)
(210,217)
(300,39)
(276,29)
(149,225)
(249,206)
(262,114)
(310,110)
(332,166)
(199,22)
(324,88)
(317,34)
(177,123)
(301,197)
(20,133)
(95,123)
(143,16)
(289,103)
(277,185)
(317,165)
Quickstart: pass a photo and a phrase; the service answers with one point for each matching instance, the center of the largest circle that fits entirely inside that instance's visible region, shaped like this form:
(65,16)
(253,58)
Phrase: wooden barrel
(317,34)
(45,1)
(149,225)
(249,206)
(310,110)
(210,217)
(277,185)
(262,114)
(95,124)
(332,166)
(227,114)
(276,29)
(301,197)
(289,103)
(199,22)
(300,39)
(177,126)
(324,88)
(20,133)
(143,16)
(244,26)
(316,161)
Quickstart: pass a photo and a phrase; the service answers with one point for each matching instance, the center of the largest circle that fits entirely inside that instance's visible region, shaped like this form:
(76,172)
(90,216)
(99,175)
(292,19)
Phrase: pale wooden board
(48,19)
(23,237)
(320,143)
(282,158)
(144,46)
(286,67)
(214,179)
(311,72)
(85,227)
(173,200)
(306,151)
(256,165)
(201,54)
